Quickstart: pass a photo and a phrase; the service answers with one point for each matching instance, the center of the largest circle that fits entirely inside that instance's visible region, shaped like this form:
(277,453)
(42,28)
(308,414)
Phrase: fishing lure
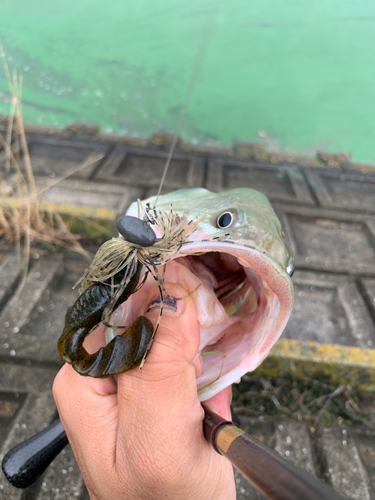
(115,274)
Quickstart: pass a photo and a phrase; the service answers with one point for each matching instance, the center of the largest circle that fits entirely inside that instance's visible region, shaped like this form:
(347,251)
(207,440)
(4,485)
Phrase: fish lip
(197,246)
(269,271)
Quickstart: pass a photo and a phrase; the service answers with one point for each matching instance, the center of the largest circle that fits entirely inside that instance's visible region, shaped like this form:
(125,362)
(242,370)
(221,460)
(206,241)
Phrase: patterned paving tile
(346,471)
(19,340)
(278,182)
(55,157)
(141,167)
(349,190)
(330,308)
(330,240)
(89,194)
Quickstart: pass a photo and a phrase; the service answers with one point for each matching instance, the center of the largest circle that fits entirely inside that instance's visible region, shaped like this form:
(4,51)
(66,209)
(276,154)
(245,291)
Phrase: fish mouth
(243,299)
(243,305)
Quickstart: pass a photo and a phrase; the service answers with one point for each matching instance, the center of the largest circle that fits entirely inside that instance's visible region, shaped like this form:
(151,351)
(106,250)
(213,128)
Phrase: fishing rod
(271,474)
(274,476)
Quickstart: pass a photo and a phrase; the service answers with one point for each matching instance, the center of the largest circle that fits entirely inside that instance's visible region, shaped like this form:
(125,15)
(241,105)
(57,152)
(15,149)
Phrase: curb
(338,364)
(80,219)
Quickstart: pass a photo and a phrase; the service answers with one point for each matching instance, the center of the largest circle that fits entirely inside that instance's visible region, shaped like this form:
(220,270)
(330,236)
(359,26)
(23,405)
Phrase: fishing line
(197,65)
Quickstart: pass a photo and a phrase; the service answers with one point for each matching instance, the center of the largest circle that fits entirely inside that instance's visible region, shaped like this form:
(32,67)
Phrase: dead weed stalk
(25,220)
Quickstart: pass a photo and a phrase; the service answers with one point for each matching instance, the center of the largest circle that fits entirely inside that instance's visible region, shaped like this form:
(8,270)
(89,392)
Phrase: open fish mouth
(243,301)
(241,313)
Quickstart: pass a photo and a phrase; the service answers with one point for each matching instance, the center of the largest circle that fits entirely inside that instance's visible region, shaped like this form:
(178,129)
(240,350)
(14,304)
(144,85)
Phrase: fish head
(238,256)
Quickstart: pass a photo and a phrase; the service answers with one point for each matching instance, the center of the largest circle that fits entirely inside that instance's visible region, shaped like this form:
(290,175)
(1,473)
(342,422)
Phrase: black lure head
(136,231)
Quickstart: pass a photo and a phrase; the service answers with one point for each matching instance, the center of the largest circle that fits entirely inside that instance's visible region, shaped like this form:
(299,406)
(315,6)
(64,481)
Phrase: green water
(302,72)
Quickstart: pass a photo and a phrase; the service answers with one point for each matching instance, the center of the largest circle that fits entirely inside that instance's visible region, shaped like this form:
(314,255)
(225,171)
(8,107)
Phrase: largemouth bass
(238,257)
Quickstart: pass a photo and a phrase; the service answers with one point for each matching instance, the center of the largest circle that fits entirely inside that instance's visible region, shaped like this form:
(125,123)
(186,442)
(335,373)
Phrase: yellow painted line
(96,222)
(312,351)
(79,211)
(339,364)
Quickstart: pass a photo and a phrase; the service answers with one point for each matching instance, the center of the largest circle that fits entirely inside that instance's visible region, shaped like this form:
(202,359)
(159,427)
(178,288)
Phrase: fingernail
(173,300)
(169,304)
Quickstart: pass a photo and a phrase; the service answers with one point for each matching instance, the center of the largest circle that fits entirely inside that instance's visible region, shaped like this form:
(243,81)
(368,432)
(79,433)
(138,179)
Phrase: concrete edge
(248,150)
(346,365)
(80,219)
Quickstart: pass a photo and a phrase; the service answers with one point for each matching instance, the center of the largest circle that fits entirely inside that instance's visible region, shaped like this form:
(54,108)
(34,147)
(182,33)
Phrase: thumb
(168,369)
(177,339)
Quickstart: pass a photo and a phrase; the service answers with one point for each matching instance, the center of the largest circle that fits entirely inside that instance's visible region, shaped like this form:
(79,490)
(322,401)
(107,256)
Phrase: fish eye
(225,220)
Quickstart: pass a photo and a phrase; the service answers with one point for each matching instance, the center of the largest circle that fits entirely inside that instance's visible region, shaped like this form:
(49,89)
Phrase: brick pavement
(328,215)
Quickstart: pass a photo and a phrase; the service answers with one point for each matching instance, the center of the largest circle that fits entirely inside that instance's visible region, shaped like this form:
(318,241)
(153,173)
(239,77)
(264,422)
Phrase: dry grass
(23,222)
(305,400)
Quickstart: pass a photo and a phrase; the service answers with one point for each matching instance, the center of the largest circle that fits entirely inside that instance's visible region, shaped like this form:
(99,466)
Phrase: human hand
(143,438)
